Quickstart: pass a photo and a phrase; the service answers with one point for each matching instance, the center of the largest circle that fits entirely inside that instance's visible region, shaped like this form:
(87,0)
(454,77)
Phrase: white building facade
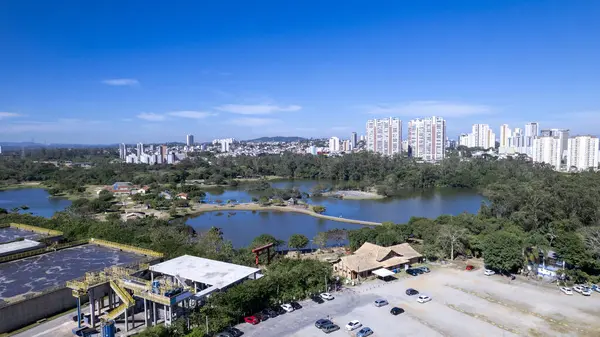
(546,149)
(427,138)
(334,144)
(582,153)
(384,135)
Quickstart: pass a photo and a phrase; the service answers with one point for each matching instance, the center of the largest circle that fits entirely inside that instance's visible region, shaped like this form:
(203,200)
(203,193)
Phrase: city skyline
(258,75)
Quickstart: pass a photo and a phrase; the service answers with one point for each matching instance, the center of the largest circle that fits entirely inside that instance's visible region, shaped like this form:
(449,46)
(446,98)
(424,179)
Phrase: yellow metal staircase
(127,301)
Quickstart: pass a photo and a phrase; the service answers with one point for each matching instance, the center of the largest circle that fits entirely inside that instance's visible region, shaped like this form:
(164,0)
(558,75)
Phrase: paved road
(60,326)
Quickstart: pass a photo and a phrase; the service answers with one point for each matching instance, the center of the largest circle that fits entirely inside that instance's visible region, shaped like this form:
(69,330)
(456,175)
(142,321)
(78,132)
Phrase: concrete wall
(20,314)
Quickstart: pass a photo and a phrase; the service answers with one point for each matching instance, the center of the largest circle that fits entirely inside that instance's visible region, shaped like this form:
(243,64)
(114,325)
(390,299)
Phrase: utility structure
(158,292)
(258,251)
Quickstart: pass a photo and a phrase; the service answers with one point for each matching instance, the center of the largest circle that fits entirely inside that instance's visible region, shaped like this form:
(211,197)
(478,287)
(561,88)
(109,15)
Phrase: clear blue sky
(128,71)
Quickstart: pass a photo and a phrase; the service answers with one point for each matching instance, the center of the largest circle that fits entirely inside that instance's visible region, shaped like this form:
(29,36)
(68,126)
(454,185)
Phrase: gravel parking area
(464,304)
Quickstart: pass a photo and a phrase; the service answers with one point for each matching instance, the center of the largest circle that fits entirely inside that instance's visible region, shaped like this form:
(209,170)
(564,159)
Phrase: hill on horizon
(276,139)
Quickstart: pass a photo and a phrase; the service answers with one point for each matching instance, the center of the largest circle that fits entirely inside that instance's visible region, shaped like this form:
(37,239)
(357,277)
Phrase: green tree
(318,209)
(297,241)
(503,251)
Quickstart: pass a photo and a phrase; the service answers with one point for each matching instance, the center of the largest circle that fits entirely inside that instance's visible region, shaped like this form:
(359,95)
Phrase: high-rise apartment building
(546,149)
(189,140)
(334,144)
(464,139)
(354,139)
(122,151)
(427,138)
(140,149)
(505,135)
(562,135)
(482,136)
(582,153)
(531,131)
(384,135)
(163,153)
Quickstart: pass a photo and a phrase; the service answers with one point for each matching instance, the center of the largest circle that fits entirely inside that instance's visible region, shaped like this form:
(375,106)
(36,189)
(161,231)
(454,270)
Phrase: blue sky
(127,71)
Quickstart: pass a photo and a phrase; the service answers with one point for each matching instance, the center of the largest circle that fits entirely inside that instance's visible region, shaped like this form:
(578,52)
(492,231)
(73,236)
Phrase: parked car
(327,296)
(364,332)
(423,299)
(280,311)
(265,314)
(396,311)
(489,272)
(380,302)
(296,305)
(287,307)
(411,292)
(585,291)
(235,332)
(251,320)
(418,271)
(272,313)
(322,322)
(425,269)
(317,299)
(469,267)
(261,317)
(595,287)
(411,272)
(353,325)
(578,288)
(329,328)
(566,290)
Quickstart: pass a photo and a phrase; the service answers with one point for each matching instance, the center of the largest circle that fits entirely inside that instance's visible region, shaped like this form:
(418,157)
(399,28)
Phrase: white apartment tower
(334,144)
(546,149)
(505,135)
(482,136)
(122,151)
(384,135)
(140,149)
(189,140)
(427,138)
(582,153)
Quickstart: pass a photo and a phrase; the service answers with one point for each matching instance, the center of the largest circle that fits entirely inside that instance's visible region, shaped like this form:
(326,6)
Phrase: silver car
(380,302)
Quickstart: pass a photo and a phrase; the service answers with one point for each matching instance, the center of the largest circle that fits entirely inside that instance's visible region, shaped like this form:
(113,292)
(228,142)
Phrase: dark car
(411,272)
(261,317)
(235,332)
(322,322)
(264,314)
(317,299)
(295,305)
(329,328)
(411,292)
(418,270)
(224,334)
(396,311)
(279,310)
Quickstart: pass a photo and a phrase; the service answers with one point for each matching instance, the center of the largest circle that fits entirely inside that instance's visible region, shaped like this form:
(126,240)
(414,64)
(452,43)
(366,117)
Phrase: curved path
(294,209)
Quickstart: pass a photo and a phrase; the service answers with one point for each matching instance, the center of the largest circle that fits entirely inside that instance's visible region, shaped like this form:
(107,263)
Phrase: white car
(566,290)
(287,307)
(326,296)
(353,325)
(578,288)
(585,291)
(423,299)
(489,272)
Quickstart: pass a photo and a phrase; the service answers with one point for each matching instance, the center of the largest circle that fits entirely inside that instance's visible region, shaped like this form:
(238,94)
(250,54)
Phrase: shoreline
(18,186)
(205,208)
(354,195)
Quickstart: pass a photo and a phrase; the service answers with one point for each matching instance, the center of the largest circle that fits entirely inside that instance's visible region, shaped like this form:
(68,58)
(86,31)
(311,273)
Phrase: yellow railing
(111,315)
(36,229)
(122,293)
(39,251)
(126,248)
(152,297)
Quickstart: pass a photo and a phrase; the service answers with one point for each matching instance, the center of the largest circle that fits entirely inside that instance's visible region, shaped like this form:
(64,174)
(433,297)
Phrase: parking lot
(464,304)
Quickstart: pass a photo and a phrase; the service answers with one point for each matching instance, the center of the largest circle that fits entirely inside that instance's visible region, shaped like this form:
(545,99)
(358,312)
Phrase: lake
(39,201)
(242,226)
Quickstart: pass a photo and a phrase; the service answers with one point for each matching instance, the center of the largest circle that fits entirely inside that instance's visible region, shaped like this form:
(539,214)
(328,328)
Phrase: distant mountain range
(277,139)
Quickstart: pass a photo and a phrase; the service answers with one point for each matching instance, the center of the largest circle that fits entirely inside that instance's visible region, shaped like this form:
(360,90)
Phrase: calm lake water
(36,198)
(242,227)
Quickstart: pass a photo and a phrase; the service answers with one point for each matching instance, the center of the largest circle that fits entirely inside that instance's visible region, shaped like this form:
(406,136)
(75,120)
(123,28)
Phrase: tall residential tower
(427,138)
(384,135)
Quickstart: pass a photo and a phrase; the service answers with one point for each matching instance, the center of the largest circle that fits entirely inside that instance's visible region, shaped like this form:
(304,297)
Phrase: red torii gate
(257,251)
